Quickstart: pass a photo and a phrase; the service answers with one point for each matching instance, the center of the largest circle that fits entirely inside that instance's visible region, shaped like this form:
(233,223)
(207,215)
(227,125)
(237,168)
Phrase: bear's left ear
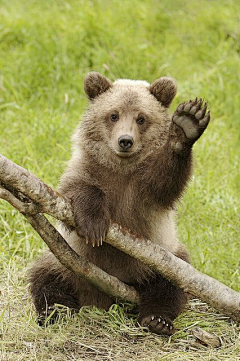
(164,89)
(95,84)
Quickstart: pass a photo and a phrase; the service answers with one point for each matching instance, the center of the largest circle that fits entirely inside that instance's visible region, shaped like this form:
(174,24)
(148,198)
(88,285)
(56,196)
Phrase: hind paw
(158,324)
(47,315)
(51,314)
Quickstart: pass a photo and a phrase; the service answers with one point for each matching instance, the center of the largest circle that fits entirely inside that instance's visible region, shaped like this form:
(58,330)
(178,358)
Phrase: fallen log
(32,197)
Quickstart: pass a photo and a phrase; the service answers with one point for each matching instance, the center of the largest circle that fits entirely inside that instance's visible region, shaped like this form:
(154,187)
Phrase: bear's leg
(160,303)
(51,283)
(50,286)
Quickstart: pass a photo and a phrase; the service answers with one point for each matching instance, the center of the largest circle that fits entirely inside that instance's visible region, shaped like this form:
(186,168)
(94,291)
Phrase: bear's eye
(140,120)
(114,117)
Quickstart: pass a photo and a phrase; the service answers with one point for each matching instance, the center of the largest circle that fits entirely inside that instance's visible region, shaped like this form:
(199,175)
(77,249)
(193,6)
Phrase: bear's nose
(125,141)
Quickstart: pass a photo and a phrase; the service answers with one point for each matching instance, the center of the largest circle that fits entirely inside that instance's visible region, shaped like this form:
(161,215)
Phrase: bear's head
(126,119)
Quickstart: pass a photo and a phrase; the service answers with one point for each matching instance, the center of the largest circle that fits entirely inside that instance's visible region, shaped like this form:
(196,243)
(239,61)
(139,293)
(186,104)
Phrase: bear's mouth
(124,153)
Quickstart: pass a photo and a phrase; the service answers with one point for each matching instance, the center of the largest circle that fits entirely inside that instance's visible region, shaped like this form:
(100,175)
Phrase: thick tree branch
(19,182)
(17,179)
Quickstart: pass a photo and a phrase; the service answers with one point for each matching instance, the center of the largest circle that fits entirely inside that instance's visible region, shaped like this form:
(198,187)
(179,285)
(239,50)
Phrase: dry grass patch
(94,334)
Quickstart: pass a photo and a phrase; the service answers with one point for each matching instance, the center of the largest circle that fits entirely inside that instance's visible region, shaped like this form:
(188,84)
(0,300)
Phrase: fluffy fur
(136,186)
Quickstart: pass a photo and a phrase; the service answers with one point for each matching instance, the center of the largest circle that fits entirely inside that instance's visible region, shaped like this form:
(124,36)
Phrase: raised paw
(158,324)
(192,117)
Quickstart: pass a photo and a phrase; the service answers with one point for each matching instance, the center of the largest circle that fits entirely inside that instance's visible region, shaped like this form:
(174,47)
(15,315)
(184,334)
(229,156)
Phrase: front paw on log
(94,231)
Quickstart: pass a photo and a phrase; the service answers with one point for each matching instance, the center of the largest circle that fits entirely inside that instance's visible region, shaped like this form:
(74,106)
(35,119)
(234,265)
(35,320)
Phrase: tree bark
(32,197)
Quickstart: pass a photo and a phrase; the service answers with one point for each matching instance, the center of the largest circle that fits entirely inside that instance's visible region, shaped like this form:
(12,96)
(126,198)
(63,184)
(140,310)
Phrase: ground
(46,49)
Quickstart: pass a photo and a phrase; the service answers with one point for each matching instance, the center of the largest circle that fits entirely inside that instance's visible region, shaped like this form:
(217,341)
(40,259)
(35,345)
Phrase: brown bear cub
(130,164)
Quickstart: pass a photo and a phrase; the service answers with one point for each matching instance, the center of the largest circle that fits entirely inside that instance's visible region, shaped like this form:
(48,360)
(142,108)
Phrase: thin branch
(29,208)
(179,272)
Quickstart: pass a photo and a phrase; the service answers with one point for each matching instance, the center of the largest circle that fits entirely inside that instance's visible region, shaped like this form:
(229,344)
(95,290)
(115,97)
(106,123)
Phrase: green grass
(46,48)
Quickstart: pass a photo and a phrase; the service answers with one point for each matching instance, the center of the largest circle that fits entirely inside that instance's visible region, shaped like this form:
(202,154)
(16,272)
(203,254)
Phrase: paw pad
(193,118)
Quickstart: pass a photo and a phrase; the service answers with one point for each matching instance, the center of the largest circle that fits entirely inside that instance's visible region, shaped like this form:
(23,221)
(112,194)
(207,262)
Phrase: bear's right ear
(95,84)
(164,89)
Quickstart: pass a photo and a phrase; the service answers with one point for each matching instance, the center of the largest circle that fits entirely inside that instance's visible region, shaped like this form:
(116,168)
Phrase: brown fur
(137,189)
(164,90)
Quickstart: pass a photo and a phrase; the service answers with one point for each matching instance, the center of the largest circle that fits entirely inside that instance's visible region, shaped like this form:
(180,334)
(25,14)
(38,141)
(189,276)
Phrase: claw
(87,240)
(153,318)
(199,104)
(205,107)
(204,122)
(196,106)
(200,114)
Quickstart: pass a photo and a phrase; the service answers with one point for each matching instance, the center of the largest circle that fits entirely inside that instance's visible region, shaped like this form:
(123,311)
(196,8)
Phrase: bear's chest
(128,206)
